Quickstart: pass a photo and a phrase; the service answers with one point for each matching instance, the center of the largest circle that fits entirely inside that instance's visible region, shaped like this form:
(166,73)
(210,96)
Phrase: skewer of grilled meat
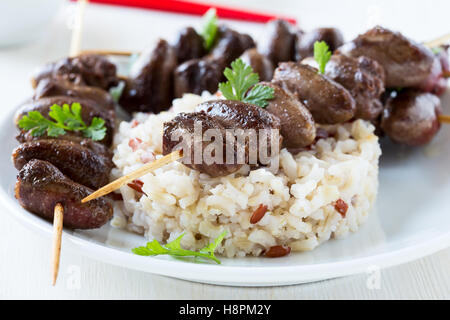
(86,69)
(407,64)
(64,169)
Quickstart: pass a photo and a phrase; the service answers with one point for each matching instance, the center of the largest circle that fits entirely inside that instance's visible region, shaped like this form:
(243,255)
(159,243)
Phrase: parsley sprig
(209,28)
(174,249)
(241,78)
(322,55)
(65,119)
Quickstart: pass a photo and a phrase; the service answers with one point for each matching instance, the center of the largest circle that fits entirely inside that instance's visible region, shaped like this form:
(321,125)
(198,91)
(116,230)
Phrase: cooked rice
(300,197)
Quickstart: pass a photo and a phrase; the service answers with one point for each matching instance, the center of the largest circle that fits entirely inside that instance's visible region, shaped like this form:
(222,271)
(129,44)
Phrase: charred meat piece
(278,44)
(189,45)
(89,110)
(51,87)
(180,132)
(77,162)
(150,84)
(240,115)
(304,42)
(297,124)
(259,63)
(90,70)
(40,186)
(229,45)
(411,117)
(328,101)
(406,63)
(363,78)
(196,76)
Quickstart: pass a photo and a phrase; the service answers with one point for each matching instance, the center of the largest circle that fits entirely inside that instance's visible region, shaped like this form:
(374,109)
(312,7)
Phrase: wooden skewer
(444,118)
(58,215)
(149,167)
(438,41)
(75,43)
(57,234)
(109,52)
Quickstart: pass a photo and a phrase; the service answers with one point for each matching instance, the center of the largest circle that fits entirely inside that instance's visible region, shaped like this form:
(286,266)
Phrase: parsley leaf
(240,79)
(209,28)
(322,55)
(65,119)
(174,249)
(259,95)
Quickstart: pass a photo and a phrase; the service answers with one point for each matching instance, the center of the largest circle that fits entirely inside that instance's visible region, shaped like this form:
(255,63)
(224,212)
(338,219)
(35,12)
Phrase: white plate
(411,219)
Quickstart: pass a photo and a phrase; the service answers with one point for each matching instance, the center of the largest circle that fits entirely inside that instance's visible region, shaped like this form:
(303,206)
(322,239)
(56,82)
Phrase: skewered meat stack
(66,168)
(351,87)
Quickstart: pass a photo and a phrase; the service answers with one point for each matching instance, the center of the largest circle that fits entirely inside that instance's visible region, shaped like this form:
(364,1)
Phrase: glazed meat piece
(189,45)
(406,63)
(182,127)
(328,101)
(411,117)
(88,69)
(196,76)
(40,186)
(363,78)
(96,147)
(77,162)
(149,87)
(230,44)
(304,42)
(278,42)
(59,87)
(259,63)
(240,115)
(297,124)
(438,84)
(89,110)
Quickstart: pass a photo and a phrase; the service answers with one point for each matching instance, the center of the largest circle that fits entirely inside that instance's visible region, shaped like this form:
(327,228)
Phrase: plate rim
(229,275)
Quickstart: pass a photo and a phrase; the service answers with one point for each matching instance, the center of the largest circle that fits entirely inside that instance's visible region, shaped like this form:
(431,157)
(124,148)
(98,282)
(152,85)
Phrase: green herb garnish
(322,55)
(209,28)
(241,78)
(66,119)
(174,249)
(437,50)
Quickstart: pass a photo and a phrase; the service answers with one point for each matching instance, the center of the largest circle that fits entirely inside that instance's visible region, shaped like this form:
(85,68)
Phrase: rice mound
(300,197)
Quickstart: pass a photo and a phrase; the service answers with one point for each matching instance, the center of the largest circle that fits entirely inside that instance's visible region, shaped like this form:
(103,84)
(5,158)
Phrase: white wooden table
(25,256)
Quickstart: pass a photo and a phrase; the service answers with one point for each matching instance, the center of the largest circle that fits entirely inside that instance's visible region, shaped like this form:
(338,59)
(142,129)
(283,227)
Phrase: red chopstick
(196,8)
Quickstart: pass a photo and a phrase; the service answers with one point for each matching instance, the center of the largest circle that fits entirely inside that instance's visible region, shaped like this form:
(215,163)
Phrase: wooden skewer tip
(57,235)
(445,39)
(444,119)
(147,168)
